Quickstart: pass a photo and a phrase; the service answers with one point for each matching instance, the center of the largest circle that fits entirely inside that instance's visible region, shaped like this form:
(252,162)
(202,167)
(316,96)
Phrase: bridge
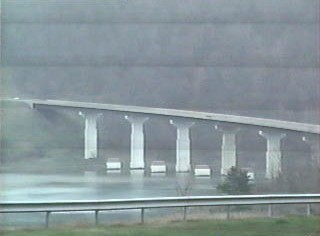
(272,130)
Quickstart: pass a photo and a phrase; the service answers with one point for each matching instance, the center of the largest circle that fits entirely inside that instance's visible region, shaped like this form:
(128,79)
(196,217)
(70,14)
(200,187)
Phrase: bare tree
(183,188)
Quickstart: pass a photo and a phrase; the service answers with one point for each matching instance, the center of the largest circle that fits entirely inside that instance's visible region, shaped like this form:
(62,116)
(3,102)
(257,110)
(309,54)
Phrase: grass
(293,226)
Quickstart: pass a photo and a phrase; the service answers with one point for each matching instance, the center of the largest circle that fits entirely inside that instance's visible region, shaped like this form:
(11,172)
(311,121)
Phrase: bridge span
(235,119)
(272,130)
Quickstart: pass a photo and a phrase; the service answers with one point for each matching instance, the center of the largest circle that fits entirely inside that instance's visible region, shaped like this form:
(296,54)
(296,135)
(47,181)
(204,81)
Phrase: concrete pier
(228,147)
(273,154)
(314,144)
(90,134)
(137,159)
(183,145)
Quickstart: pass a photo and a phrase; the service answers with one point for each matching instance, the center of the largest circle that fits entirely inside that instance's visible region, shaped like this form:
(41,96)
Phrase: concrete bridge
(272,130)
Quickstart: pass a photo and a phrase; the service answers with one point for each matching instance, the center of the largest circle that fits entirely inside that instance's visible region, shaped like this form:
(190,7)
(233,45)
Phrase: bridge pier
(228,147)
(273,154)
(137,160)
(90,134)
(314,145)
(183,145)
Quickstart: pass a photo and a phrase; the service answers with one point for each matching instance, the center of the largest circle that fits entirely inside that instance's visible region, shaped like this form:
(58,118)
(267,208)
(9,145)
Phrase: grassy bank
(297,226)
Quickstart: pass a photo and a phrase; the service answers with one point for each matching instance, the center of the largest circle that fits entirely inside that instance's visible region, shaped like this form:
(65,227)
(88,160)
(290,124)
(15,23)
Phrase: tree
(236,182)
(183,187)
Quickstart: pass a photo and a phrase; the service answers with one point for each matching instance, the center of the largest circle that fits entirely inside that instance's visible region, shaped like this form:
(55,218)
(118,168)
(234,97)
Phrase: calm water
(92,185)
(95,186)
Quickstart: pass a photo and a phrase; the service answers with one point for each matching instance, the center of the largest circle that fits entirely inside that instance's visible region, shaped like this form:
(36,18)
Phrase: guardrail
(165,202)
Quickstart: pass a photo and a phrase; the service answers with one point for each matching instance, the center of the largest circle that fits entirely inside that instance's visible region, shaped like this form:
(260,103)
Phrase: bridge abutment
(183,145)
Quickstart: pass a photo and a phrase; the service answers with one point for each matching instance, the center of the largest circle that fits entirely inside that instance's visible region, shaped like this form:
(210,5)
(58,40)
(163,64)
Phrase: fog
(257,58)
(248,57)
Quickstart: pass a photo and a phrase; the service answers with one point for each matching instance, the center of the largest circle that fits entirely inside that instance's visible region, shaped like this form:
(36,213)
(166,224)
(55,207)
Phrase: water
(92,185)
(97,186)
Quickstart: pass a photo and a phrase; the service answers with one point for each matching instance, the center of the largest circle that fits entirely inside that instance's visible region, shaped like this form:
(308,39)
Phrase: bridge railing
(166,202)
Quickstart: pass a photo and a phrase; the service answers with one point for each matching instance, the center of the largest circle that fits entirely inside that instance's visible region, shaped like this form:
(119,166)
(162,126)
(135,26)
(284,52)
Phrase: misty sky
(251,57)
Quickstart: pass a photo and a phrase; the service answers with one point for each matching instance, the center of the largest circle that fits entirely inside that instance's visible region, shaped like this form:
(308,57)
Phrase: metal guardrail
(166,202)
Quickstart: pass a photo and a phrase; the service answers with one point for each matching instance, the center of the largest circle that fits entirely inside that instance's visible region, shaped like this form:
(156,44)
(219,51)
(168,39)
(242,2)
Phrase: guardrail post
(228,212)
(184,213)
(46,208)
(96,217)
(47,218)
(309,209)
(270,210)
(142,215)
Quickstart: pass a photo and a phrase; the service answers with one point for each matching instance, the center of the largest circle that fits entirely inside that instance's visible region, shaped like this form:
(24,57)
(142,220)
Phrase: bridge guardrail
(165,202)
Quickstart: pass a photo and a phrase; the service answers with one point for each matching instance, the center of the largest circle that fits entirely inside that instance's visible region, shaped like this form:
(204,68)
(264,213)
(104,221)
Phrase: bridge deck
(243,120)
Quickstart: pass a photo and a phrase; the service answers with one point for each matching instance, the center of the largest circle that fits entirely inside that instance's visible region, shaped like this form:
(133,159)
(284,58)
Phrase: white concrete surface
(113,164)
(137,160)
(90,134)
(183,145)
(202,170)
(273,154)
(158,167)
